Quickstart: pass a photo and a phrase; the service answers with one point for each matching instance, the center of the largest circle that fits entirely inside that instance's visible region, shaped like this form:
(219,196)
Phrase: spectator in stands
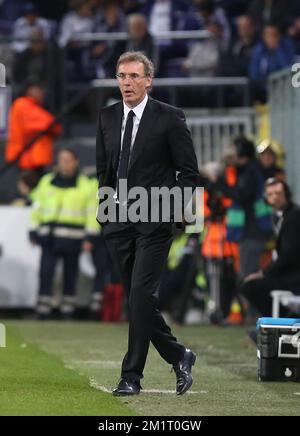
(267,155)
(235,62)
(279,12)
(32,63)
(110,18)
(78,21)
(28,118)
(139,37)
(74,23)
(294,34)
(204,55)
(62,223)
(274,53)
(204,15)
(24,26)
(166,16)
(284,270)
(248,217)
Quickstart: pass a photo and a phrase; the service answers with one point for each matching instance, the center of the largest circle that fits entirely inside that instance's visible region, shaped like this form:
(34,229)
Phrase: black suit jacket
(287,265)
(162,154)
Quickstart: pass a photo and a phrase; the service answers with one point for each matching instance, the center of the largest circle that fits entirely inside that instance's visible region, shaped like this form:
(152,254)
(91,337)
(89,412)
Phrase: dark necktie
(126,145)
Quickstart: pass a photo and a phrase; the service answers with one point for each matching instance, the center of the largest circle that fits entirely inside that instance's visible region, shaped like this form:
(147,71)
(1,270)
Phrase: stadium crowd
(250,38)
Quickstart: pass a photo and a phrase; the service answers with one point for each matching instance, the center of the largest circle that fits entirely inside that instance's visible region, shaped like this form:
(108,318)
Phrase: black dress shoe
(183,371)
(126,387)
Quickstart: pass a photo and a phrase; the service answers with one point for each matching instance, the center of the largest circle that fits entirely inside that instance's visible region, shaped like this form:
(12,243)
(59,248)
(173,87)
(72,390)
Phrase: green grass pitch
(64,368)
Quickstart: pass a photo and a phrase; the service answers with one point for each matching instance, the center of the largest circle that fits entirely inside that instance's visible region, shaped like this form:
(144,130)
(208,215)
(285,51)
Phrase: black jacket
(287,265)
(162,156)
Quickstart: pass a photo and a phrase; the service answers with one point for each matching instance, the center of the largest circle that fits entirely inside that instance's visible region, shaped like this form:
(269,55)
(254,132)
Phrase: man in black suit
(284,270)
(144,142)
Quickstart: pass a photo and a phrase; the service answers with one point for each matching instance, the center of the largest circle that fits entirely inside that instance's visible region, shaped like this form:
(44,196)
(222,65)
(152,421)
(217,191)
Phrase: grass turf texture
(34,382)
(225,375)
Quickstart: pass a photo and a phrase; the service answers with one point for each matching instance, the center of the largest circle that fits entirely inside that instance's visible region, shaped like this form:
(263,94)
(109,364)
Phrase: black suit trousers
(140,259)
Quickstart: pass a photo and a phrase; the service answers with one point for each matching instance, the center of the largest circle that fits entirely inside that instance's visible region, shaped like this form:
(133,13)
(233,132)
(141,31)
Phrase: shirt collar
(138,110)
(279,213)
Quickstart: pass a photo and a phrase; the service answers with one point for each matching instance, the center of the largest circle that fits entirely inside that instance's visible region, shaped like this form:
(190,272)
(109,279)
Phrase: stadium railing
(284,107)
(213,135)
(220,84)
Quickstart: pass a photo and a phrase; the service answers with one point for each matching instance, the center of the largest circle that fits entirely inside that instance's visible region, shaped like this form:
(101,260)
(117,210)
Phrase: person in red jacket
(27,118)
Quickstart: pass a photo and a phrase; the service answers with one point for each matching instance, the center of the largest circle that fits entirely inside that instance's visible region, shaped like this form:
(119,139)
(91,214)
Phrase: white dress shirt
(138,112)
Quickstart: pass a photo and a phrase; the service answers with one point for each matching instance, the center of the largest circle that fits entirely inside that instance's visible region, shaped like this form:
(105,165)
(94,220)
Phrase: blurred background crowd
(59,40)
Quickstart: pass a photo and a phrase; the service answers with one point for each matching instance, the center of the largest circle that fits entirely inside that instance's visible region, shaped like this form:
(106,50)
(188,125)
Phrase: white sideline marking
(95,385)
(103,363)
(296,393)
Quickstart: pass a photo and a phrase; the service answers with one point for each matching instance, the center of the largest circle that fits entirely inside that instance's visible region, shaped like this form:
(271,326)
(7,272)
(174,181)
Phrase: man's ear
(149,83)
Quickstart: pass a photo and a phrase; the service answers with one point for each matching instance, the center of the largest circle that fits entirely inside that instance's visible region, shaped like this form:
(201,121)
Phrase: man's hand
(255,276)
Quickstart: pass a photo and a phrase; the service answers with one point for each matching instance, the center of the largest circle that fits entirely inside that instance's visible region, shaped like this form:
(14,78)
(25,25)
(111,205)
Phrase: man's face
(137,28)
(37,93)
(31,18)
(37,41)
(133,84)
(85,10)
(111,14)
(271,37)
(267,158)
(239,161)
(67,163)
(245,27)
(276,196)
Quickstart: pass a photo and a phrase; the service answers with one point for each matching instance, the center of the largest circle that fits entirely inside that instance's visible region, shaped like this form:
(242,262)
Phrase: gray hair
(137,56)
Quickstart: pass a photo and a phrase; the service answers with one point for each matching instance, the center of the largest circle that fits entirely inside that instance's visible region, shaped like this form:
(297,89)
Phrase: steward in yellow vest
(63,219)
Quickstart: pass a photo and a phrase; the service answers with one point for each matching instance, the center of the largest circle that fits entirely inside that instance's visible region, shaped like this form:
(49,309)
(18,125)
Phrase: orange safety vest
(26,119)
(215,244)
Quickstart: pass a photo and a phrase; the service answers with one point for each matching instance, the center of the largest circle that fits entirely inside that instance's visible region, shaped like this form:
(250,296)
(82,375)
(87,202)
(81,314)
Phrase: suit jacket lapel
(145,127)
(116,128)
